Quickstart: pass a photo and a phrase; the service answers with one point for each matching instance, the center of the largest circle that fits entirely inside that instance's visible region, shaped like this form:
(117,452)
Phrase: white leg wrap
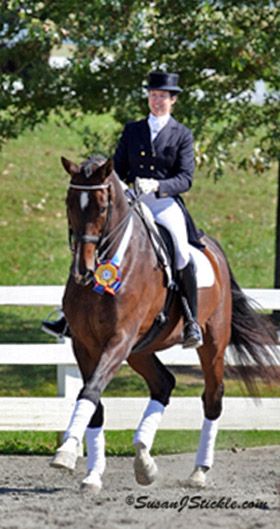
(95,440)
(205,453)
(83,411)
(149,424)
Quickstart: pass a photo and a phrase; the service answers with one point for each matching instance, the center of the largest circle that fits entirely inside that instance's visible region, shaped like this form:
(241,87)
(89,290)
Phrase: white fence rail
(52,414)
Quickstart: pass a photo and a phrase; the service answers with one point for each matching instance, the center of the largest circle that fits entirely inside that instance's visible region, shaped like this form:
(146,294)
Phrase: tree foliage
(220,48)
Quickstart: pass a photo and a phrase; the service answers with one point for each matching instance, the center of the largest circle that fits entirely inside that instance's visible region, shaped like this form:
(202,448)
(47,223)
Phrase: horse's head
(89,203)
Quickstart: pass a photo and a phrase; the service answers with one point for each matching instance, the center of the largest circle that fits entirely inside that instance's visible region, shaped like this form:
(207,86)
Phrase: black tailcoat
(169,159)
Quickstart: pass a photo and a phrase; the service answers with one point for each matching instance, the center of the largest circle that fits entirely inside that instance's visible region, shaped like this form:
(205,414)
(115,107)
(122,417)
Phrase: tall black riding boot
(58,328)
(188,290)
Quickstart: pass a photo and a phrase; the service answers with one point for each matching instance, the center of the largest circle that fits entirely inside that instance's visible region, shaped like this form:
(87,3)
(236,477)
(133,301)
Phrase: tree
(221,48)
(30,87)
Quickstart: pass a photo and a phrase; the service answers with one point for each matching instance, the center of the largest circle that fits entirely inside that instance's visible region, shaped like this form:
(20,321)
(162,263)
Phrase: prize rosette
(107,278)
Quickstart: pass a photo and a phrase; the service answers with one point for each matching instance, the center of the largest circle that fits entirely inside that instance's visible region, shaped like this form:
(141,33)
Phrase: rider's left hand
(147,185)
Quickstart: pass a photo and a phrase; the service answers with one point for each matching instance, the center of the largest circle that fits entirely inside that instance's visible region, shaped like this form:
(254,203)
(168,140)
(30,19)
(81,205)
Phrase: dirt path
(35,496)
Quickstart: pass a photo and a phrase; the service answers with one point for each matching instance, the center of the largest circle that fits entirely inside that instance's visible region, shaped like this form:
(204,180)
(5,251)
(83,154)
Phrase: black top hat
(164,81)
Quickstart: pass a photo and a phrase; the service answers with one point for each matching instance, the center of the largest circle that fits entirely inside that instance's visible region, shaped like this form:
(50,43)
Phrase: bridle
(110,237)
(94,239)
(89,188)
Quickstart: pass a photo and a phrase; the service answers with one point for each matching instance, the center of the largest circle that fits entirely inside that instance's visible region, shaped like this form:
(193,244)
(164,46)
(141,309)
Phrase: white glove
(147,185)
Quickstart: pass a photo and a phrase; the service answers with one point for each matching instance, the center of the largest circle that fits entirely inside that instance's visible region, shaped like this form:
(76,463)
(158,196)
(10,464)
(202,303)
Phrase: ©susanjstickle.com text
(193,502)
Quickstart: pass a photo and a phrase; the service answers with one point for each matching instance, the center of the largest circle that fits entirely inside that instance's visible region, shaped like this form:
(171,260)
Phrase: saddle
(164,249)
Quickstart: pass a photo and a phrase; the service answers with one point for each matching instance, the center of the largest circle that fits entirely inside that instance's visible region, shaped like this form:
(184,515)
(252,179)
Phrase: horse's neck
(121,207)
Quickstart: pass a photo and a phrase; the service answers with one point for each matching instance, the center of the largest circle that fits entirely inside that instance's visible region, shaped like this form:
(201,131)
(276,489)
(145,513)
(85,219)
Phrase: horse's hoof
(64,459)
(145,469)
(92,483)
(198,478)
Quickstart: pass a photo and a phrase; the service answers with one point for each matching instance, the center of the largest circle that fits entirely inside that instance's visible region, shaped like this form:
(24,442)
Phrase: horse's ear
(69,166)
(107,168)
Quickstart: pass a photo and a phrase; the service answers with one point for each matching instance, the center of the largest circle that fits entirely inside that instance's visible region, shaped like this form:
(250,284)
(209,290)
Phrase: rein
(115,231)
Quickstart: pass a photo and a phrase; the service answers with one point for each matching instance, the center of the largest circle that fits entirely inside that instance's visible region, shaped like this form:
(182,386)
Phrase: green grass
(179,441)
(120,443)
(239,210)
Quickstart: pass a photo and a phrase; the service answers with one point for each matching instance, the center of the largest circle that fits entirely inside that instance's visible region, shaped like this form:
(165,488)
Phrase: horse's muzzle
(83,266)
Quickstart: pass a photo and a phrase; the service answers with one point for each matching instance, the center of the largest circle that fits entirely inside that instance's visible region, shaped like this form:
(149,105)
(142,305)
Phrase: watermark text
(193,502)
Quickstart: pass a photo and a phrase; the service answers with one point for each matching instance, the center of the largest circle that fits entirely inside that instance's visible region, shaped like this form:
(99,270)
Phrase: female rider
(157,153)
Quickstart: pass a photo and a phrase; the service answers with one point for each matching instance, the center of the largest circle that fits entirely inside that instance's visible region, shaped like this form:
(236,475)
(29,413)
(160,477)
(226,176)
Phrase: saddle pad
(204,271)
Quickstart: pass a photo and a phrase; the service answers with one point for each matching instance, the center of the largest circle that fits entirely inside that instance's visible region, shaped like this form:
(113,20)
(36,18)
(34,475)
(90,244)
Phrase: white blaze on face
(84,200)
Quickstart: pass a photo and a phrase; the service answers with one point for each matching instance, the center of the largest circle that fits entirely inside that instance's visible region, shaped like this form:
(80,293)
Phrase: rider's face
(160,102)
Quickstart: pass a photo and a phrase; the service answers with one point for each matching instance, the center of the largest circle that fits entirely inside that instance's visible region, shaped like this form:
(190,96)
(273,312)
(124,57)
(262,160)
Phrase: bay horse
(115,291)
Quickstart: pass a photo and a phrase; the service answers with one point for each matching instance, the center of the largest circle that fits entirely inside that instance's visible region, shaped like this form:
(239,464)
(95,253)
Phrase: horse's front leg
(117,350)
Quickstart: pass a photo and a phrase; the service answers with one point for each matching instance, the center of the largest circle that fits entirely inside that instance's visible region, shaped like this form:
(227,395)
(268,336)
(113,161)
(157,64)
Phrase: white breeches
(168,213)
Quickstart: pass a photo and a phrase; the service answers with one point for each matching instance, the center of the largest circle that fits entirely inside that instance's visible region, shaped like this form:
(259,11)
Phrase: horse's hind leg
(212,360)
(160,382)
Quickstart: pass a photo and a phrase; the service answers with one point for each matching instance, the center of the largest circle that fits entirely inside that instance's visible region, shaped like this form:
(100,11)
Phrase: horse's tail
(254,339)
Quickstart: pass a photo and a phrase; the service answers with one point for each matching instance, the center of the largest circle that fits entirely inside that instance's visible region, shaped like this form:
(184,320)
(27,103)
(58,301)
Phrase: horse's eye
(102,209)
